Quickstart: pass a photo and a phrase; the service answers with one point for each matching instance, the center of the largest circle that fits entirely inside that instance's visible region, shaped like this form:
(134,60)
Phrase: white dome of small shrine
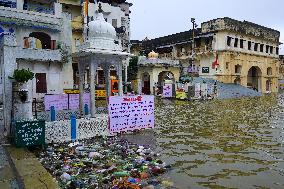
(153,55)
(100,28)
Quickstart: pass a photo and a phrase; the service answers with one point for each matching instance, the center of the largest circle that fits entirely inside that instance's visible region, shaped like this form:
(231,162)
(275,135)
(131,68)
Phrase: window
(114,23)
(277,50)
(227,65)
(271,49)
(236,42)
(229,40)
(238,69)
(255,46)
(249,45)
(261,47)
(269,71)
(242,43)
(267,48)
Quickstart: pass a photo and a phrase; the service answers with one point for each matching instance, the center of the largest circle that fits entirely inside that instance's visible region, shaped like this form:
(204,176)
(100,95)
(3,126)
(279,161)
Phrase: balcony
(41,54)
(24,18)
(77,23)
(204,49)
(183,55)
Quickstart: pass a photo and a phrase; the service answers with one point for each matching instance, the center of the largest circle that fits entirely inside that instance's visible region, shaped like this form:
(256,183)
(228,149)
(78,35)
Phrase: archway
(268,85)
(44,38)
(254,78)
(165,76)
(146,83)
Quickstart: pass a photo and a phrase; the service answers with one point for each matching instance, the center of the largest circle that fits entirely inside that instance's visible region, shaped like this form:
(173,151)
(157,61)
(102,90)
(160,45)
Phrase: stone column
(125,77)
(120,89)
(93,70)
(20,4)
(81,67)
(151,83)
(57,9)
(106,73)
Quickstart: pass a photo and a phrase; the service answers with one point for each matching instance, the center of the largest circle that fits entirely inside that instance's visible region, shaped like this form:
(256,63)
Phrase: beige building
(281,69)
(227,50)
(154,72)
(243,52)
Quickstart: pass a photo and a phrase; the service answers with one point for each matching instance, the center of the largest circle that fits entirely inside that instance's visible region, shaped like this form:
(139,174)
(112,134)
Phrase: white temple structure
(99,49)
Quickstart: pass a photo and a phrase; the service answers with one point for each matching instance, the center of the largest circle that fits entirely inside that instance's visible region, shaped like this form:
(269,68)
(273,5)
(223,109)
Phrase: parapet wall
(244,27)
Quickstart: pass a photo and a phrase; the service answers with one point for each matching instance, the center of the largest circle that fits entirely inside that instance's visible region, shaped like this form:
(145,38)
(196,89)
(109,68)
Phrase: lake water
(220,144)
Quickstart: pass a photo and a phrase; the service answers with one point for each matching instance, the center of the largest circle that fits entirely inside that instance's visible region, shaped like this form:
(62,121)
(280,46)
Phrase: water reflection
(222,144)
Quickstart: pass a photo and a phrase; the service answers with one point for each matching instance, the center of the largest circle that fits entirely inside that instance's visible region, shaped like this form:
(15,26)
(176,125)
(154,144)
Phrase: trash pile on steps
(105,163)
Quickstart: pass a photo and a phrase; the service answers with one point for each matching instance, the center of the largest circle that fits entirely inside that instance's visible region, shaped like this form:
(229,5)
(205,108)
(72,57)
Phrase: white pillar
(57,9)
(81,86)
(120,89)
(107,80)
(125,76)
(93,70)
(20,4)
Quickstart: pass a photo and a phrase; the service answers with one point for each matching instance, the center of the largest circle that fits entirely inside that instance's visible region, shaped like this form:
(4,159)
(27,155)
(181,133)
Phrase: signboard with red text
(168,91)
(128,113)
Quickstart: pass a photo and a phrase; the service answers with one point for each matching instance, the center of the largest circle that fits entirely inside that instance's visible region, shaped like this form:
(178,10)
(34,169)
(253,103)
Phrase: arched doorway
(268,85)
(165,76)
(44,38)
(146,83)
(254,78)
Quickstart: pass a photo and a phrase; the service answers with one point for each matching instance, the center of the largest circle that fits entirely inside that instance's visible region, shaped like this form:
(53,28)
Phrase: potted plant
(21,77)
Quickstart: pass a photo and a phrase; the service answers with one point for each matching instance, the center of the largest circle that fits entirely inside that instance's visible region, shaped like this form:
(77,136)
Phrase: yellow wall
(246,61)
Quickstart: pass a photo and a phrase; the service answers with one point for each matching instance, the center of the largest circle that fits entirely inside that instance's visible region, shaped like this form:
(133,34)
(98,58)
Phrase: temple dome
(100,28)
(153,55)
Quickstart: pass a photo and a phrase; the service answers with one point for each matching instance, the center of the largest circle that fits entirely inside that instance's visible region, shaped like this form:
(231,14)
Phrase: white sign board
(197,90)
(168,91)
(203,90)
(128,113)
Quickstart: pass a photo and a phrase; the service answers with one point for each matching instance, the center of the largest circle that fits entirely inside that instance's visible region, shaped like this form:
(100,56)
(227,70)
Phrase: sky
(157,18)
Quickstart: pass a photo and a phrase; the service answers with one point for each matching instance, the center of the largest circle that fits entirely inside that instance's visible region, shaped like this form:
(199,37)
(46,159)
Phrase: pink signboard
(61,101)
(74,101)
(128,113)
(168,91)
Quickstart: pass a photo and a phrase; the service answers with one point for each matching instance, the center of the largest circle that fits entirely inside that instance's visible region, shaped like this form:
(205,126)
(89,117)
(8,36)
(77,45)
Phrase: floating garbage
(105,163)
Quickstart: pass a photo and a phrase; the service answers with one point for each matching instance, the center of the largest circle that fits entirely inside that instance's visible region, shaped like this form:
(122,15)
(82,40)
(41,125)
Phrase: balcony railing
(29,18)
(38,8)
(203,49)
(8,3)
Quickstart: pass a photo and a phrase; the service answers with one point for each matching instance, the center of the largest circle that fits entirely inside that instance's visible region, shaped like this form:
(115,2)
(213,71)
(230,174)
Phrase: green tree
(133,68)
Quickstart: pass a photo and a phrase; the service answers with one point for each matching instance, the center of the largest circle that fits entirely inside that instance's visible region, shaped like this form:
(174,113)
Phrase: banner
(168,91)
(128,113)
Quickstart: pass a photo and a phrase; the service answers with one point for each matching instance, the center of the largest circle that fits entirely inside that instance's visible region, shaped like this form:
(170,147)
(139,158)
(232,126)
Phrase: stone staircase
(227,91)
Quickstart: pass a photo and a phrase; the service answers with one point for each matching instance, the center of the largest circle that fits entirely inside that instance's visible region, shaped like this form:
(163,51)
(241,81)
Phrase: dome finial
(100,8)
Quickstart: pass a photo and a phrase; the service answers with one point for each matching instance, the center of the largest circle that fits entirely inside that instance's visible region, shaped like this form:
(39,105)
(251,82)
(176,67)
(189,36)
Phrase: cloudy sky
(156,18)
